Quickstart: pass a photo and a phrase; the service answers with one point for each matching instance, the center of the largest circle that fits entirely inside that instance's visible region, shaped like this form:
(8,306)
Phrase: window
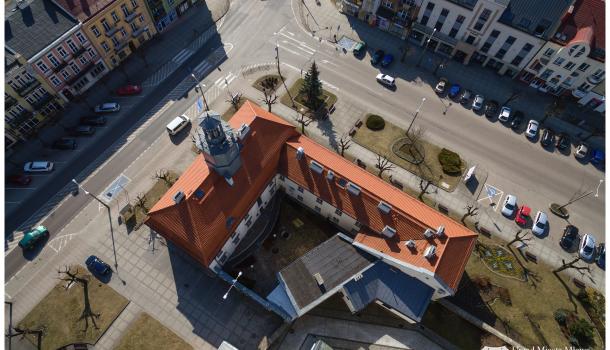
(134,4)
(61,51)
(457,25)
(470,39)
(55,81)
(82,60)
(105,25)
(229,221)
(318,209)
(53,60)
(403,14)
(91,52)
(524,23)
(584,87)
(299,197)
(388,4)
(524,51)
(546,74)
(75,68)
(441,19)
(134,27)
(341,182)
(81,38)
(558,61)
(505,47)
(482,19)
(65,74)
(114,16)
(319,200)
(72,46)
(583,67)
(598,74)
(427,12)
(335,219)
(490,40)
(125,10)
(115,41)
(141,18)
(249,222)
(570,65)
(549,52)
(353,189)
(105,46)
(301,189)
(338,212)
(95,31)
(42,66)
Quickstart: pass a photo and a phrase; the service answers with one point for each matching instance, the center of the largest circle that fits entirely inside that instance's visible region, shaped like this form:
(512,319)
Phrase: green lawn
(148,333)
(328,97)
(59,313)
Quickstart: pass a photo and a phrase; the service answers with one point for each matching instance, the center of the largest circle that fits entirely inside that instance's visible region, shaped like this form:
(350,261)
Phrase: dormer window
(388,231)
(384,207)
(353,189)
(316,167)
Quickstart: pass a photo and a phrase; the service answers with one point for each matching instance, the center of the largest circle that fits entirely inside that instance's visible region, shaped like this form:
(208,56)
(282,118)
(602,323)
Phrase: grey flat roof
(336,260)
(30,29)
(526,15)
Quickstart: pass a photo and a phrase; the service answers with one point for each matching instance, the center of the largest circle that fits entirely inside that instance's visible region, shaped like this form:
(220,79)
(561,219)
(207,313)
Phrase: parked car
(129,90)
(548,138)
(563,142)
(33,236)
(600,259)
(518,117)
(504,114)
(108,107)
(177,124)
(540,223)
(97,265)
(491,108)
(532,129)
(454,90)
(441,86)
(522,214)
(597,156)
(38,167)
(582,150)
(359,49)
(570,234)
(386,80)
(377,57)
(65,143)
(19,180)
(465,97)
(509,205)
(477,103)
(587,247)
(387,60)
(81,130)
(96,120)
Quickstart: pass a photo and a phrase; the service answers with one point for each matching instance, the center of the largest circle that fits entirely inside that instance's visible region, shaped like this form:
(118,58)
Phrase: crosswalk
(182,56)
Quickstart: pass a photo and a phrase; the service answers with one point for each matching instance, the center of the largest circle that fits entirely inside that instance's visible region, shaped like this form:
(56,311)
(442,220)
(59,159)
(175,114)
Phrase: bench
(358,123)
(443,209)
(360,163)
(531,257)
(485,232)
(396,183)
(352,131)
(578,283)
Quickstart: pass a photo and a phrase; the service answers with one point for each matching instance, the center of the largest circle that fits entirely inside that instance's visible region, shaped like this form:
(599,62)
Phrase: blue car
(97,266)
(454,90)
(387,60)
(597,156)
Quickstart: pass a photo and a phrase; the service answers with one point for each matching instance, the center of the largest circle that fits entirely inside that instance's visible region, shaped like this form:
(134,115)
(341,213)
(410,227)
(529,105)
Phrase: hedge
(375,122)
(450,161)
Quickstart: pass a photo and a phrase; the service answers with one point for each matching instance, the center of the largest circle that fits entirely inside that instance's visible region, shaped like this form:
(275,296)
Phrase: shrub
(483,283)
(582,331)
(375,122)
(450,161)
(561,316)
(504,296)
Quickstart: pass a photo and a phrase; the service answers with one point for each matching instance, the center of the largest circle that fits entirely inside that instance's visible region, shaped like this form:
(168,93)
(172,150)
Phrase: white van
(177,124)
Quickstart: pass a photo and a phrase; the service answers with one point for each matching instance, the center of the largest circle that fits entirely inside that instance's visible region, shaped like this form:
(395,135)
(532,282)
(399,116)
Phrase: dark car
(97,265)
(548,138)
(454,90)
(491,108)
(518,118)
(601,256)
(563,142)
(359,49)
(19,180)
(81,130)
(465,97)
(65,143)
(570,235)
(387,60)
(377,57)
(95,120)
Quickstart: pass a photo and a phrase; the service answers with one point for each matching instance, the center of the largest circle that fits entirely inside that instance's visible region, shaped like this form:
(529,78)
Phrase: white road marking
(329,62)
(290,66)
(298,47)
(291,51)
(329,85)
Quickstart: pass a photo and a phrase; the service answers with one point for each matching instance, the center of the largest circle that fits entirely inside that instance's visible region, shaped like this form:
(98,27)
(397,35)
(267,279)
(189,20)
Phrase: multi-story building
(116,28)
(401,251)
(165,12)
(53,43)
(500,34)
(595,99)
(393,16)
(28,99)
(571,63)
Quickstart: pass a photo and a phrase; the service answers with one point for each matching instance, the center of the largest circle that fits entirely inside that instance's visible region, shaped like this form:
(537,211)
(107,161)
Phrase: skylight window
(316,167)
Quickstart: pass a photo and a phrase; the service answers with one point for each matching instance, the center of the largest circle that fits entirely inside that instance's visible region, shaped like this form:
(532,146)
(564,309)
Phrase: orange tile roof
(586,23)
(409,216)
(271,148)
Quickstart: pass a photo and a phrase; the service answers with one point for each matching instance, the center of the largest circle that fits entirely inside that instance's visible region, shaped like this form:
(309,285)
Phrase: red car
(522,215)
(129,90)
(19,180)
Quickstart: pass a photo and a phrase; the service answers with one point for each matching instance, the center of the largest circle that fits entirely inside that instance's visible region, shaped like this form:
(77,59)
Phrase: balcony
(544,60)
(27,88)
(111,30)
(61,66)
(9,101)
(139,31)
(594,79)
(132,16)
(21,118)
(578,93)
(122,43)
(79,52)
(43,101)
(84,70)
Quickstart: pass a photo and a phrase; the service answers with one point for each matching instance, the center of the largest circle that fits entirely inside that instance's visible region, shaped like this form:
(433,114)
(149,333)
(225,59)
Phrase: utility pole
(200,90)
(279,72)
(425,48)
(224,297)
(415,116)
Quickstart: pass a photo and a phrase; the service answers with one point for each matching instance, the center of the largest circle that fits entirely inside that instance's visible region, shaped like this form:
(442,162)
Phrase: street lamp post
(198,88)
(425,48)
(224,297)
(415,116)
(561,211)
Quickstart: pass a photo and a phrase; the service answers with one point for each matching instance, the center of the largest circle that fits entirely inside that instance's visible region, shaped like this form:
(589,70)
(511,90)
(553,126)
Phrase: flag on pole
(199,105)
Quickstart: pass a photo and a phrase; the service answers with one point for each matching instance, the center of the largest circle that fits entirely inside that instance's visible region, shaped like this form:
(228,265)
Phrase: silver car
(477,103)
(510,203)
(586,248)
(38,167)
(532,129)
(540,222)
(108,107)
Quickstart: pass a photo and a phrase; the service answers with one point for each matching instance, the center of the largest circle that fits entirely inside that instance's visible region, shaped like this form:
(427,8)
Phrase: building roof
(333,262)
(528,15)
(34,26)
(585,22)
(401,292)
(199,225)
(84,9)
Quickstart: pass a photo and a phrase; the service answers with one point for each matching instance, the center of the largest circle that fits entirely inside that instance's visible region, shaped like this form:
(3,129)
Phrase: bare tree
(234,100)
(303,120)
(572,265)
(344,144)
(163,174)
(424,184)
(269,97)
(141,201)
(520,236)
(73,277)
(515,94)
(471,210)
(383,165)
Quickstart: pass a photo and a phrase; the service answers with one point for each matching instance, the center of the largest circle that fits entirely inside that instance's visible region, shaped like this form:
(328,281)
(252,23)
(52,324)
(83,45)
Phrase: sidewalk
(157,52)
(325,21)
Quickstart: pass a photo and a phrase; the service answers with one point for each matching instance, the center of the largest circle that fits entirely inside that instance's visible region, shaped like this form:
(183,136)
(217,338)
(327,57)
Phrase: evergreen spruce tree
(312,88)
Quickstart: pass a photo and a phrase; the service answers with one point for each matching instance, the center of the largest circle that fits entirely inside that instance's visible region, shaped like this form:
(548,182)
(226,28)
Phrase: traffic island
(148,333)
(76,310)
(328,101)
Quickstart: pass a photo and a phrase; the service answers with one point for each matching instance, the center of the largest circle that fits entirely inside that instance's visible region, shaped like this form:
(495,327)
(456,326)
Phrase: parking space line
(20,188)
(12,202)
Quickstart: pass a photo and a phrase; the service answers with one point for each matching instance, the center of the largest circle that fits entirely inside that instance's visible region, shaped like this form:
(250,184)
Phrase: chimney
(320,281)
(430,252)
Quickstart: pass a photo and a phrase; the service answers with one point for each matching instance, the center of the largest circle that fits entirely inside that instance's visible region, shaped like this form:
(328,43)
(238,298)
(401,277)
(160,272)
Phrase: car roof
(541,216)
(526,210)
(511,199)
(175,122)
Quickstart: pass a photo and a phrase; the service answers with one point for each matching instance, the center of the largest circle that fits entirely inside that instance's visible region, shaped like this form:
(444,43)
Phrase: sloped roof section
(586,22)
(84,9)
